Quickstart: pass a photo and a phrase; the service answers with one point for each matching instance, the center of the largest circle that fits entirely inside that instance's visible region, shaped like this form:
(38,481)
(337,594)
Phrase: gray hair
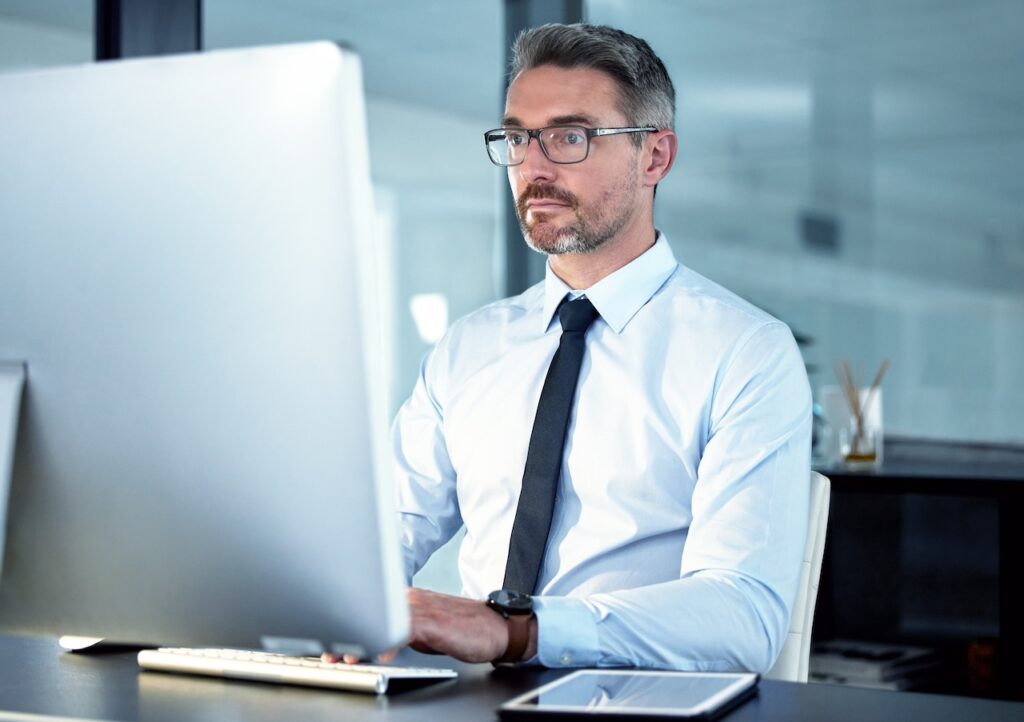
(646,94)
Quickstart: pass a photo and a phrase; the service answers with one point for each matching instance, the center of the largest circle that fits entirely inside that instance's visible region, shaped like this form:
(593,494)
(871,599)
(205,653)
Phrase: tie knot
(577,315)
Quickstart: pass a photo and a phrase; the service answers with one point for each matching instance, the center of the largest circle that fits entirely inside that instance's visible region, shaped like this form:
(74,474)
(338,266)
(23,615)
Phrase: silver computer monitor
(186,285)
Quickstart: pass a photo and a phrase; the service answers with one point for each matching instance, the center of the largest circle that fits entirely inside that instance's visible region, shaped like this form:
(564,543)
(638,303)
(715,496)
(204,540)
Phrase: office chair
(792,664)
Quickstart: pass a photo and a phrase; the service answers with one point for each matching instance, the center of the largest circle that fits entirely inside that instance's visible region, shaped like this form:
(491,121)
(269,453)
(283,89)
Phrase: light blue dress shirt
(681,513)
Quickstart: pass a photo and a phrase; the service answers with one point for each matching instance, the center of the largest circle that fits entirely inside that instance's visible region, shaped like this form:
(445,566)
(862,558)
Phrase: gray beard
(576,239)
(587,233)
(571,240)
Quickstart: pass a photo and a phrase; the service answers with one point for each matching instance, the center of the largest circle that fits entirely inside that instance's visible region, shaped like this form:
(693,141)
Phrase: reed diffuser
(862,446)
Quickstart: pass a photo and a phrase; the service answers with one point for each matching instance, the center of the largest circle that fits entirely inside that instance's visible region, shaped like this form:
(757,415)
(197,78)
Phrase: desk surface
(964,465)
(37,678)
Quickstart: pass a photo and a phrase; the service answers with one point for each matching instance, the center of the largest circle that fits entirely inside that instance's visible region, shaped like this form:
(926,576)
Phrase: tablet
(633,695)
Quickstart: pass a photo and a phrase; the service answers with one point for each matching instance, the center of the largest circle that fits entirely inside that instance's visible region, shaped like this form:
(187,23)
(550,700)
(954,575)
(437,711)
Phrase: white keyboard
(284,669)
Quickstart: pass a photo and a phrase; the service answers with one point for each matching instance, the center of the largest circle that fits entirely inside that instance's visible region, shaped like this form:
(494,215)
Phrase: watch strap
(518,638)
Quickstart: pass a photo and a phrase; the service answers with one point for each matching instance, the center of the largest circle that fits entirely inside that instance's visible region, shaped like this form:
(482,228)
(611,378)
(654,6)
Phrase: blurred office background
(852,166)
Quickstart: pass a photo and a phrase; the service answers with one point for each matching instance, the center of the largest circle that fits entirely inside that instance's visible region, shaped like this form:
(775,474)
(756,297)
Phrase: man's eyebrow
(575,119)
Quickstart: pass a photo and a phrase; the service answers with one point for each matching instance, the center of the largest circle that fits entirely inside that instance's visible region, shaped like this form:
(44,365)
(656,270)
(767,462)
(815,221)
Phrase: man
(669,529)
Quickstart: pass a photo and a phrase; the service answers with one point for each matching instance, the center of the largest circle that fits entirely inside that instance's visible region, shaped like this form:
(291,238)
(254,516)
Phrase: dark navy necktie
(547,445)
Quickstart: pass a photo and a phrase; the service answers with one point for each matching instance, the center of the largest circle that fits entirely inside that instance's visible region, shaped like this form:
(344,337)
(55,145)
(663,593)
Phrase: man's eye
(573,138)
(516,138)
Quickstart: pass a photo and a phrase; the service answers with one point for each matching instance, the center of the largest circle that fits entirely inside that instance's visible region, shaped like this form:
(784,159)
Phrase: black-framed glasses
(559,143)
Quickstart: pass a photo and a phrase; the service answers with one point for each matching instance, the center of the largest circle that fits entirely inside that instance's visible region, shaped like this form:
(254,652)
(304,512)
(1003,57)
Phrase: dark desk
(929,550)
(36,678)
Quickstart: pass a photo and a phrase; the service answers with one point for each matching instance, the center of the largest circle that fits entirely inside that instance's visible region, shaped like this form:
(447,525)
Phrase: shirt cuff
(566,633)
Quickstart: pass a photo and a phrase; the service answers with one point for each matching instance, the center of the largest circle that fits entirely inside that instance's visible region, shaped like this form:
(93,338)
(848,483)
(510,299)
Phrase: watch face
(511,601)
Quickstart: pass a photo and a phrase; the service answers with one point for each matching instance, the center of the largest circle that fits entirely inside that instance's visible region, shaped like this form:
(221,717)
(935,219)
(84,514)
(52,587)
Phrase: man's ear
(660,155)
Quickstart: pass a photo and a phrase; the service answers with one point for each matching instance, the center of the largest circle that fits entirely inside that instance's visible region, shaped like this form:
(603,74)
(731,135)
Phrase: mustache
(540,191)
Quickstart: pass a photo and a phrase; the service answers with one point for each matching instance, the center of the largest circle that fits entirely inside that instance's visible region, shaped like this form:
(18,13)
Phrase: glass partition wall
(854,169)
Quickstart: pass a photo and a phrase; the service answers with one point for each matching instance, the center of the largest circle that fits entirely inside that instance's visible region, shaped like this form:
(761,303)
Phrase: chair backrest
(792,664)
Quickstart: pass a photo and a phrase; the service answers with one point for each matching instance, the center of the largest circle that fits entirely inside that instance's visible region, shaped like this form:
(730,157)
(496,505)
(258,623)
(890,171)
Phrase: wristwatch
(517,609)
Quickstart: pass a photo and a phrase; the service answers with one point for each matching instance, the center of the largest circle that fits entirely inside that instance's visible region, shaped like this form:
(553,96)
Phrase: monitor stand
(12,383)
(12,380)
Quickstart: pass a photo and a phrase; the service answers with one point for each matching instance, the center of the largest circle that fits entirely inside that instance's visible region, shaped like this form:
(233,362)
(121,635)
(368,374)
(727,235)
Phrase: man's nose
(536,166)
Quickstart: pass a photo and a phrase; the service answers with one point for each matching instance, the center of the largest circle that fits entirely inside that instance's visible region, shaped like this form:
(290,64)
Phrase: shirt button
(566,658)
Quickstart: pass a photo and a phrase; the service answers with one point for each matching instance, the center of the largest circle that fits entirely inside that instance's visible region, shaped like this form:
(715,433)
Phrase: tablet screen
(672,694)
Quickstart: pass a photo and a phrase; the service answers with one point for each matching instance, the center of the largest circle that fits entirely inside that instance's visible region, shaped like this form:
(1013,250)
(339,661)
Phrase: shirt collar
(618,296)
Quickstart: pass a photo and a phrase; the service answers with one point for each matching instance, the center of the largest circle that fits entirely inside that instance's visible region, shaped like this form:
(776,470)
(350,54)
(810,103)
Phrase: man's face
(572,208)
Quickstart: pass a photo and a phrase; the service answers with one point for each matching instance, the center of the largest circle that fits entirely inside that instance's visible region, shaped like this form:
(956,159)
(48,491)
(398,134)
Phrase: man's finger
(384,658)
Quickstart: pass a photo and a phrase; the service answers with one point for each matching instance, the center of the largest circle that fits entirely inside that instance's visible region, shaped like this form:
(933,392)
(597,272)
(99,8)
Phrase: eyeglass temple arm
(616,131)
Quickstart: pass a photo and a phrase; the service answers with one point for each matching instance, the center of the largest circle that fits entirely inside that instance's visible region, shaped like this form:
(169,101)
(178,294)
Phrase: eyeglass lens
(561,144)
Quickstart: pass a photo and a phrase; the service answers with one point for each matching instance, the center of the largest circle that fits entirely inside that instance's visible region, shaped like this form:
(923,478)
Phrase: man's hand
(461,628)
